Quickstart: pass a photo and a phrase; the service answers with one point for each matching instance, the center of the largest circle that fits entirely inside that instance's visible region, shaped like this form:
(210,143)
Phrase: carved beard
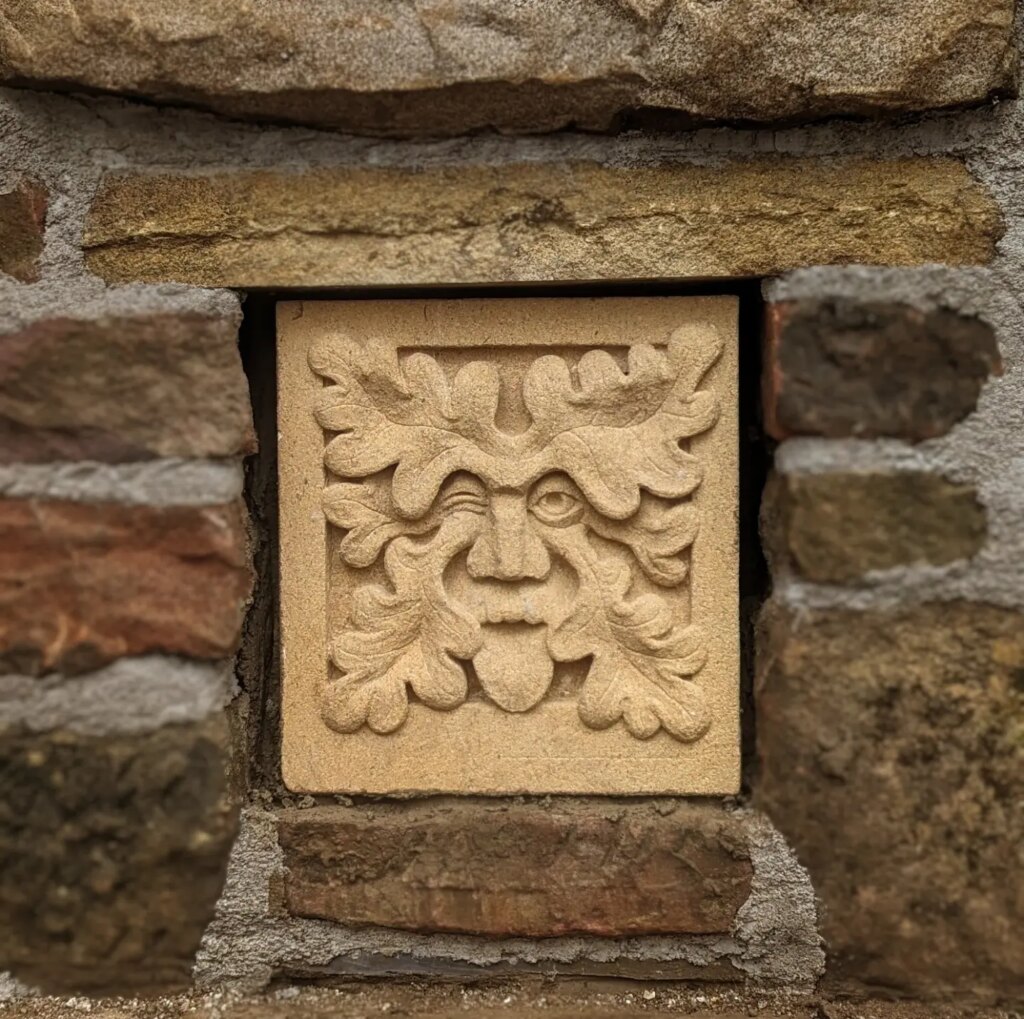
(414,634)
(514,664)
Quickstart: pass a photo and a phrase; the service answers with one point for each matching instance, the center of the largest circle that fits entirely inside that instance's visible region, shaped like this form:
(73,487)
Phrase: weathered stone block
(123,387)
(441,68)
(82,584)
(834,528)
(519,870)
(113,851)
(892,759)
(22,223)
(838,367)
(530,221)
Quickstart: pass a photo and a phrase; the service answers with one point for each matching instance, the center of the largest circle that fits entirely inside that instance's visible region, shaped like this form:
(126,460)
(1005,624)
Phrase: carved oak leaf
(369,439)
(657,534)
(620,432)
(406,637)
(614,432)
(366,510)
(642,660)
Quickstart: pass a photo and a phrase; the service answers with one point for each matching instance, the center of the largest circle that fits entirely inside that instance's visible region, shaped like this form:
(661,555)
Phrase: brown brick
(834,528)
(535,221)
(123,387)
(82,584)
(445,68)
(22,222)
(842,368)
(892,759)
(113,852)
(519,870)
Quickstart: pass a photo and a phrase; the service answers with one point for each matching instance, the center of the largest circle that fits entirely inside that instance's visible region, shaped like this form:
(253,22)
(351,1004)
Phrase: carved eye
(463,492)
(557,502)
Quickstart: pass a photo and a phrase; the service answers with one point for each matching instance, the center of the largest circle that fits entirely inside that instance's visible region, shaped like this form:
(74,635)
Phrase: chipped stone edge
(774,941)
(131,696)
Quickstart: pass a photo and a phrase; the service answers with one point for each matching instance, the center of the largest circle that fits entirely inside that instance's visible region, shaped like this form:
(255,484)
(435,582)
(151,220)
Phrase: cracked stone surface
(438,67)
(344,226)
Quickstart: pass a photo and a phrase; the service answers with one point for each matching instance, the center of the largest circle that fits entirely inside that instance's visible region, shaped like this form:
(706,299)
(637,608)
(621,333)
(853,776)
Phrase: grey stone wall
(70,147)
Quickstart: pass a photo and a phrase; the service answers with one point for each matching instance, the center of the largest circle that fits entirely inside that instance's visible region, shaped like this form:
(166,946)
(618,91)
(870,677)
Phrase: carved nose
(508,548)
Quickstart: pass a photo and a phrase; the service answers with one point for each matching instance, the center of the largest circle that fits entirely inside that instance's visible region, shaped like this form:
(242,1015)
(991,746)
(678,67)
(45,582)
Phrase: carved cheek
(458,531)
(571,546)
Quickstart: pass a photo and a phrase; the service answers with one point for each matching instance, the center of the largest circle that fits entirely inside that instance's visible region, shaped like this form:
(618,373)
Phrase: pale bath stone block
(508,545)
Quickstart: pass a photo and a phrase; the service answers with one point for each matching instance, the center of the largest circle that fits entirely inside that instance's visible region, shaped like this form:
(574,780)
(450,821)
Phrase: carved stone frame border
(432,757)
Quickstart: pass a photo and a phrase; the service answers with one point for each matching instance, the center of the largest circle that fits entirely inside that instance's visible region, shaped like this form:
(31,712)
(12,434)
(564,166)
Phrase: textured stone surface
(892,759)
(500,571)
(834,528)
(123,387)
(530,221)
(843,367)
(81,584)
(22,221)
(144,483)
(449,67)
(512,870)
(129,696)
(112,854)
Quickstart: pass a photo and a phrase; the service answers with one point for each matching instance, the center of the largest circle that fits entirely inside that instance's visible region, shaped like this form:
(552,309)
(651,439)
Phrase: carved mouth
(523,601)
(497,605)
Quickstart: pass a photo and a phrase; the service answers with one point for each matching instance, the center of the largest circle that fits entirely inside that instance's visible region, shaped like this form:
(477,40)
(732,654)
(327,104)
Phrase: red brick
(22,226)
(844,368)
(117,387)
(82,584)
(519,870)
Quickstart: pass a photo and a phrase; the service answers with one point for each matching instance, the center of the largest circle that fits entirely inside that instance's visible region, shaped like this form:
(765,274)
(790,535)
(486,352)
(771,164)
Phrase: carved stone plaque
(508,545)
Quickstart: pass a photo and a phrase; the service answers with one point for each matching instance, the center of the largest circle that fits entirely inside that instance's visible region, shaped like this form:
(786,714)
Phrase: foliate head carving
(505,552)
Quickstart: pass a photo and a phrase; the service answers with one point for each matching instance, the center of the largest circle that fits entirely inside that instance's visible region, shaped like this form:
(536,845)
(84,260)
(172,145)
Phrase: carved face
(488,536)
(515,578)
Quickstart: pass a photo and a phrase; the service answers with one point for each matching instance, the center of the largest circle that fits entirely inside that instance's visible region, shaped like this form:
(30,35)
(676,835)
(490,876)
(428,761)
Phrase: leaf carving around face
(614,432)
(367,512)
(406,637)
(618,434)
(364,509)
(643,660)
(657,534)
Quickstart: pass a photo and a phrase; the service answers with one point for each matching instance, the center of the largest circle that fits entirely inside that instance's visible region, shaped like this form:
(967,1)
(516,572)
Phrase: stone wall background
(884,814)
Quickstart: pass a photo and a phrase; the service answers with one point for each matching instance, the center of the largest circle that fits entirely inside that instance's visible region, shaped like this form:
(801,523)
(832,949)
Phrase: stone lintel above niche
(508,545)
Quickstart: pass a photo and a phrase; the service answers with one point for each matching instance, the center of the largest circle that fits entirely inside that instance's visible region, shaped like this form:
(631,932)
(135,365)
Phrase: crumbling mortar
(165,482)
(985,450)
(774,941)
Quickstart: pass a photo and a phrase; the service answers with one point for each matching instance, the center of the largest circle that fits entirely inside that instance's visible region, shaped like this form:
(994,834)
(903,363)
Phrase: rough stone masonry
(162,161)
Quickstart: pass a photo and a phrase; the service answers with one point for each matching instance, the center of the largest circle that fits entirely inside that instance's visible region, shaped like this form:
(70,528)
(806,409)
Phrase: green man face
(495,544)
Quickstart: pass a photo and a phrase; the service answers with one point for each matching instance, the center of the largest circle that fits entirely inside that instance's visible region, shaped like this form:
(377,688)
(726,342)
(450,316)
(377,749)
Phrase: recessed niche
(508,545)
